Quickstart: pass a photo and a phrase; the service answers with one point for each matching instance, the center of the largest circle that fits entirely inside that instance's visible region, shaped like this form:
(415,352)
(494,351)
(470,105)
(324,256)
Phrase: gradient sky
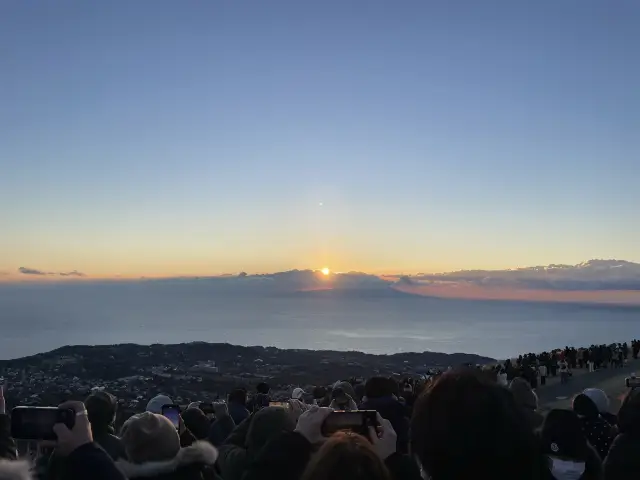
(193,137)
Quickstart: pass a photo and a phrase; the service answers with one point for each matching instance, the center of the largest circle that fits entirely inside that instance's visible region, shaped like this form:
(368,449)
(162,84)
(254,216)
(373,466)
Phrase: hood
(14,470)
(347,388)
(200,453)
(266,424)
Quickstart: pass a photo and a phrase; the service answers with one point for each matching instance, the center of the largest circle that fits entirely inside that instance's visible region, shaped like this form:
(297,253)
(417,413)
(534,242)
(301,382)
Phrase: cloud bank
(35,271)
(31,271)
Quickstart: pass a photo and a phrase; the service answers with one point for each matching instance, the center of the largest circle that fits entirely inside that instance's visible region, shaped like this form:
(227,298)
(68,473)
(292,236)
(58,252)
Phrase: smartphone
(172,412)
(279,404)
(632,381)
(36,423)
(206,407)
(357,421)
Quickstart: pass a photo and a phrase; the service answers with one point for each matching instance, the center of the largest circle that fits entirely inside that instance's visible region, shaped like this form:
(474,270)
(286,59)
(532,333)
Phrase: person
(249,438)
(347,456)
(563,367)
(261,398)
(101,410)
(80,457)
(465,427)
(542,372)
(222,426)
(527,400)
(623,461)
(379,397)
(287,456)
(153,450)
(196,422)
(502,378)
(8,449)
(298,394)
(237,405)
(342,397)
(570,455)
(595,428)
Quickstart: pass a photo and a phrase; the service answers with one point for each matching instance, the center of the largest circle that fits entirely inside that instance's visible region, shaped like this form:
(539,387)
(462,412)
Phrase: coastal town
(195,371)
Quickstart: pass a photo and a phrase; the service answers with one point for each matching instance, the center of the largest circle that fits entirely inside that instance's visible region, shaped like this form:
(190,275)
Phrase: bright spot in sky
(320,204)
(325,271)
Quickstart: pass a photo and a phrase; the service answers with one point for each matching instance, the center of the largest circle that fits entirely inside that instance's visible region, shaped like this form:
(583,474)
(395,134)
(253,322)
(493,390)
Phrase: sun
(325,271)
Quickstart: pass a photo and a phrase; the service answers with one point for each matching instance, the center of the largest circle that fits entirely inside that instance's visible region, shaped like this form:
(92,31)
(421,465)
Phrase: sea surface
(39,318)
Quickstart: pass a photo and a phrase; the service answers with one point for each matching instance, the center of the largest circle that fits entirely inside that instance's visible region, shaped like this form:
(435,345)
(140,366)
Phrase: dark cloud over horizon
(31,271)
(35,271)
(73,273)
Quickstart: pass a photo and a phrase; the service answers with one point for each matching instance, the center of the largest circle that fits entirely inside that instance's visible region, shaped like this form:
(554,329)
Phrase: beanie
(149,437)
(598,397)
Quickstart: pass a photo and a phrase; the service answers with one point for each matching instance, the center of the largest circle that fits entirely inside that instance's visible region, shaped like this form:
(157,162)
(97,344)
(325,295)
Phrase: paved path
(611,380)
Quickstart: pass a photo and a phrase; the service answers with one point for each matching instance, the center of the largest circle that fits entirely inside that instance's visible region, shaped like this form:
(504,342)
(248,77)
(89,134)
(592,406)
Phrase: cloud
(31,271)
(35,271)
(74,273)
(3,273)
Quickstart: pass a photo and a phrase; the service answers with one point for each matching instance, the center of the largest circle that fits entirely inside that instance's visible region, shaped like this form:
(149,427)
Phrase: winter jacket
(287,455)
(238,412)
(110,443)
(89,461)
(598,432)
(220,429)
(623,460)
(191,463)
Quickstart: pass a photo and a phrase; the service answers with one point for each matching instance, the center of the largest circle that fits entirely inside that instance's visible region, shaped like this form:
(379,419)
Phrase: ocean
(40,317)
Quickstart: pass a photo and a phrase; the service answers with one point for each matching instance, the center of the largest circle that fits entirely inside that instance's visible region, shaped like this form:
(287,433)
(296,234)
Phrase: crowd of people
(462,424)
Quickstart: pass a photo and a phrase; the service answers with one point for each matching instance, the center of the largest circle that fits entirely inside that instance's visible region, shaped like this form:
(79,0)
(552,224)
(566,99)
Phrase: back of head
(629,413)
(101,410)
(238,396)
(377,387)
(197,422)
(267,424)
(149,437)
(346,387)
(263,388)
(585,407)
(156,403)
(346,456)
(298,394)
(464,426)
(562,436)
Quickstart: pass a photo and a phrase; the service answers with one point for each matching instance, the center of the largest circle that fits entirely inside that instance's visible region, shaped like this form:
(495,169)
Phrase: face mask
(566,469)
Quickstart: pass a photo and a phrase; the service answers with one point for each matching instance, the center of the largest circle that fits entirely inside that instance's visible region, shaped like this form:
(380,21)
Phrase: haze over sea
(40,317)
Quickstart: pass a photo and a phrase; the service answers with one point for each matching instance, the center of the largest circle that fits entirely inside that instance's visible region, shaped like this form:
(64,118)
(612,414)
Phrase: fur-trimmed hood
(14,470)
(200,453)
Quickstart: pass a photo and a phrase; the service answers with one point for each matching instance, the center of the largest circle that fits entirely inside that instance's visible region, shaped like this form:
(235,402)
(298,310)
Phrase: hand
(220,409)
(3,405)
(310,423)
(384,440)
(79,435)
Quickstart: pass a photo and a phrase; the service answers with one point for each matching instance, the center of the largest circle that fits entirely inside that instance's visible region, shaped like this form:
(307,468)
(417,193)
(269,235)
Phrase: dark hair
(319,393)
(263,388)
(562,436)
(346,456)
(584,406)
(101,409)
(377,387)
(629,413)
(239,395)
(464,426)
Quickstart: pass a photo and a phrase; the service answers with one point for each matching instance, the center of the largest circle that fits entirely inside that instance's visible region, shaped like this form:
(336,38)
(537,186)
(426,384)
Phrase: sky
(159,138)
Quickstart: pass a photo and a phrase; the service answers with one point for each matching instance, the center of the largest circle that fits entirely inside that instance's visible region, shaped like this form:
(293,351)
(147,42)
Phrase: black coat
(623,460)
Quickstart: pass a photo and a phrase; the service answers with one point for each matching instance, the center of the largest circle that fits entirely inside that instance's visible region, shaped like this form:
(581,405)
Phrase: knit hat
(598,397)
(149,437)
(101,409)
(297,394)
(156,403)
(561,435)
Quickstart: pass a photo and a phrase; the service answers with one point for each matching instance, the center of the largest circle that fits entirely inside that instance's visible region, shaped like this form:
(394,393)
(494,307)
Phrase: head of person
(238,396)
(101,410)
(319,393)
(268,423)
(196,422)
(629,414)
(465,427)
(150,437)
(263,388)
(156,403)
(599,398)
(565,444)
(298,394)
(377,387)
(585,407)
(346,456)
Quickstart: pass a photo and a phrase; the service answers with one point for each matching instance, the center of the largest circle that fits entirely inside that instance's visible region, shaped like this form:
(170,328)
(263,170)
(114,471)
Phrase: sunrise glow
(325,271)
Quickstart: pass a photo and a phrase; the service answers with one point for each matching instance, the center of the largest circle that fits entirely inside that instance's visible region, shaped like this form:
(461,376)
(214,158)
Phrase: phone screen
(172,412)
(36,423)
(279,404)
